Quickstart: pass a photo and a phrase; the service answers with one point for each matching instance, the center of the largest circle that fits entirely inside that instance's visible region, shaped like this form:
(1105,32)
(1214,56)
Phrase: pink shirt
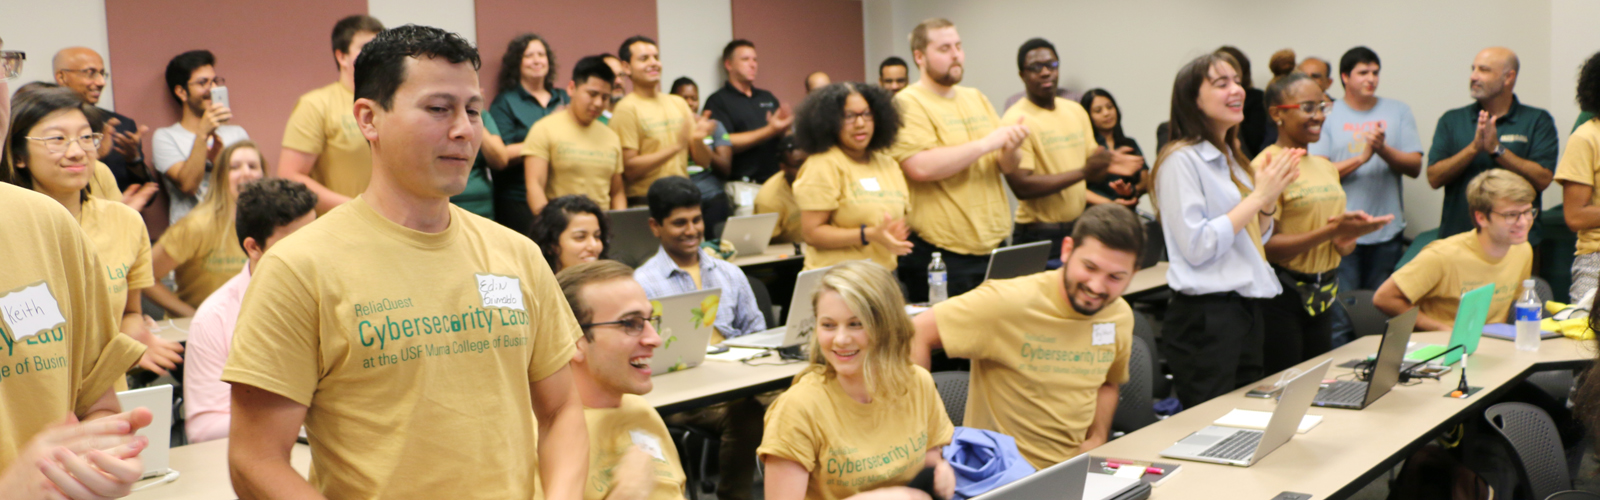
(207,398)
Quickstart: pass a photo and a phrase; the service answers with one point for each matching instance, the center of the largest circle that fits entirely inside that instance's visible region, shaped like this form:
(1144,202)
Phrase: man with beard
(1497,131)
(953,150)
(1049,350)
(204,127)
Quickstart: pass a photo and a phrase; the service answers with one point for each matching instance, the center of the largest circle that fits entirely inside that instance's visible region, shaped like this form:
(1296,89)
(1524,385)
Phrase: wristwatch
(864,235)
(1498,149)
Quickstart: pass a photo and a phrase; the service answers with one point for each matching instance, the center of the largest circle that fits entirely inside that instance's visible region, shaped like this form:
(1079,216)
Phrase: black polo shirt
(125,169)
(742,113)
(1526,131)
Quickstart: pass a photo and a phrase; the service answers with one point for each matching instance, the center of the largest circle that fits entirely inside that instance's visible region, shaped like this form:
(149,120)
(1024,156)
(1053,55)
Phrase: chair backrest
(1365,318)
(1135,401)
(1145,328)
(952,387)
(1573,495)
(1542,289)
(1533,438)
(763,300)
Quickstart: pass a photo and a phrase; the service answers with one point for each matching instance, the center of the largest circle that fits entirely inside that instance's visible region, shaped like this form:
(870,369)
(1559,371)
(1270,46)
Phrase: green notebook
(1470,317)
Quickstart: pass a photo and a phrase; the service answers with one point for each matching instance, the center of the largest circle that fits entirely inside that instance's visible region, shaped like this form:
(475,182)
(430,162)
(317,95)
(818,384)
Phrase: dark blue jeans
(1368,266)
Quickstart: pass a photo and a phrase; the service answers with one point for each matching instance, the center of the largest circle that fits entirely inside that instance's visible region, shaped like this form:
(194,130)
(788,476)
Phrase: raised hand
(781,119)
(1125,163)
(1278,172)
(892,234)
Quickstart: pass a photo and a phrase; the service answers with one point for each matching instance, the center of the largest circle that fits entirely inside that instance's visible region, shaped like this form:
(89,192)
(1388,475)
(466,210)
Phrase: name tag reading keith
(30,310)
(500,291)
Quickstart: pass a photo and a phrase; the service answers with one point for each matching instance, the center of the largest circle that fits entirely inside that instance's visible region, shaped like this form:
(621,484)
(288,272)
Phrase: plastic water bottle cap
(1527,283)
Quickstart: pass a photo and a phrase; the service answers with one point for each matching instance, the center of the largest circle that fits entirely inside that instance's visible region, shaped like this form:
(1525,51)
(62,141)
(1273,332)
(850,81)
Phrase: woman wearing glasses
(52,149)
(853,198)
(1312,228)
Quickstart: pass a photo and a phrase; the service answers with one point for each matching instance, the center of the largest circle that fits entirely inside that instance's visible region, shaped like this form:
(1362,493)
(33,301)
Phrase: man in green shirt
(1497,131)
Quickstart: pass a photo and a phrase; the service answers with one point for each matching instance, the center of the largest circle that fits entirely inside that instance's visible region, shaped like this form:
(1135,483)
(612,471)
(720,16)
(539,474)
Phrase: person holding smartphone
(192,79)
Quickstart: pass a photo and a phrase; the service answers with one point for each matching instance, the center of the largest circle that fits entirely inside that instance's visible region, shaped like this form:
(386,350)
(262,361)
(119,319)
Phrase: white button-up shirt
(1207,254)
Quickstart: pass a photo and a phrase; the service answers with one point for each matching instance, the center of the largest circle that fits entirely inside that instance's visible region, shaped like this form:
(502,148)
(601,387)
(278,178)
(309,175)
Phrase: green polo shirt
(1526,131)
(515,111)
(478,197)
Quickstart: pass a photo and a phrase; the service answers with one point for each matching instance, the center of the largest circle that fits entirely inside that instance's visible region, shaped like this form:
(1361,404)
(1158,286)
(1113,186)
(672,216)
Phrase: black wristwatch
(864,235)
(1498,150)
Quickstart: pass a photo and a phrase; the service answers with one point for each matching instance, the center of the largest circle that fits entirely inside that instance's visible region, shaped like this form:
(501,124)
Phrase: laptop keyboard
(1343,392)
(1239,446)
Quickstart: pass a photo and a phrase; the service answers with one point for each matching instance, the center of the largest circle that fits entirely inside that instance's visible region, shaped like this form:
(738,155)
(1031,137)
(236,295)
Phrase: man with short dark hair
(322,146)
(893,74)
(566,153)
(754,118)
(203,126)
(1055,406)
(817,80)
(440,323)
(658,131)
(1317,69)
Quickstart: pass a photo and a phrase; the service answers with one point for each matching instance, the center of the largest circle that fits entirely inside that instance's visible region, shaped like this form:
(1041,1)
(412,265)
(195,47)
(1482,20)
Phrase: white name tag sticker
(650,444)
(500,291)
(1104,334)
(870,184)
(30,310)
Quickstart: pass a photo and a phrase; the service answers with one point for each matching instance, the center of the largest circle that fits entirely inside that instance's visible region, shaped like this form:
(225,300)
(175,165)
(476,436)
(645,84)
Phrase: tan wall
(796,37)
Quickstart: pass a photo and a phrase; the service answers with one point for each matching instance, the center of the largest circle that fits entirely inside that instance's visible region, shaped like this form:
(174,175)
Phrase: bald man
(1496,131)
(816,81)
(1318,69)
(84,71)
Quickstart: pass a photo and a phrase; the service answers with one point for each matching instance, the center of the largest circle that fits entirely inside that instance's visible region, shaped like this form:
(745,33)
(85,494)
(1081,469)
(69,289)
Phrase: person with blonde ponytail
(202,247)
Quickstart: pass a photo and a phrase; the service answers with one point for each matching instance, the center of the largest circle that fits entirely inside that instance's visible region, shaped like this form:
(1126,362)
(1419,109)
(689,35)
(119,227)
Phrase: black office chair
(1573,495)
(952,387)
(1144,328)
(696,448)
(763,300)
(1541,460)
(1545,293)
(1135,401)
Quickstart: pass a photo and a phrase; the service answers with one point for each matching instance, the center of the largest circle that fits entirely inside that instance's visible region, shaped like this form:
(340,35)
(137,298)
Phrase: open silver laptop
(750,234)
(1245,447)
(1067,480)
(685,330)
(1018,260)
(797,329)
(631,240)
(157,399)
(1356,395)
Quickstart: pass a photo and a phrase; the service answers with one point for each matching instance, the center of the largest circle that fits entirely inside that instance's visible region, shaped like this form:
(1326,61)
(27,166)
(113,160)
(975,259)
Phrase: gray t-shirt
(171,146)
(1373,187)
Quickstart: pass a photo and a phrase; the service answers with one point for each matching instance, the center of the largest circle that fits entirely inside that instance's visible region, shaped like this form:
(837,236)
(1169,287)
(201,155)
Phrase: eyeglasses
(865,116)
(58,144)
(1037,67)
(11,62)
(208,82)
(631,326)
(89,72)
(1531,214)
(1309,107)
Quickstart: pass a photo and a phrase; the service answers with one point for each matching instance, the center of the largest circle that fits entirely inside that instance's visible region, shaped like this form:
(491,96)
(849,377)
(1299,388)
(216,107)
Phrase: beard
(1075,289)
(951,75)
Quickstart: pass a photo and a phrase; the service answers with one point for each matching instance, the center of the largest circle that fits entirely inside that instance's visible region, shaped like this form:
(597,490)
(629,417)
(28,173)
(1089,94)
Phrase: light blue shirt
(737,311)
(1373,187)
(1206,253)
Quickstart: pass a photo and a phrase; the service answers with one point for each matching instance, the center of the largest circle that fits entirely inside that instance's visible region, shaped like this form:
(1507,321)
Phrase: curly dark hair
(510,76)
(821,115)
(553,221)
(1589,85)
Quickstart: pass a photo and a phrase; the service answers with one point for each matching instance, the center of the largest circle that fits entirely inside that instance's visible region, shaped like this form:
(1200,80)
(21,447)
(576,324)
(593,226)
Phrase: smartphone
(219,95)
(1263,391)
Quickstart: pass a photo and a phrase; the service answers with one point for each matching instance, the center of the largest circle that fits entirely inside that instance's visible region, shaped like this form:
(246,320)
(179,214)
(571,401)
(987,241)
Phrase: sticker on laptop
(504,292)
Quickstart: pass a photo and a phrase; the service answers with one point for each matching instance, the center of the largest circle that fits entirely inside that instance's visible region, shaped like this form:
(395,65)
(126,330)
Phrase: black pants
(514,213)
(1026,234)
(1213,344)
(1294,335)
(964,271)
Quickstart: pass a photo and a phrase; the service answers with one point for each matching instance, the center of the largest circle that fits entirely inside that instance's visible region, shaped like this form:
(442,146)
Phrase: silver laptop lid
(1064,480)
(686,325)
(1391,353)
(631,241)
(1018,260)
(801,319)
(1291,408)
(750,234)
(157,399)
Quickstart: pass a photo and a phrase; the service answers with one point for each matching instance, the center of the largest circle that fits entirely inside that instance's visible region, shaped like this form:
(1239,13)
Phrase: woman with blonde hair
(202,247)
(836,431)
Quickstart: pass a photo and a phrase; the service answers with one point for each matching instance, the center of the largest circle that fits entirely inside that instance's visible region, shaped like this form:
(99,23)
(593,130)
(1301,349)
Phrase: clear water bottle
(1528,308)
(938,280)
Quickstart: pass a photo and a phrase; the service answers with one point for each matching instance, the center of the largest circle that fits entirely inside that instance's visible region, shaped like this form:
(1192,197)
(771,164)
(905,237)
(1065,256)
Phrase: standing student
(893,75)
(572,230)
(1578,173)
(619,88)
(1318,70)
(205,251)
(659,133)
(709,178)
(859,400)
(817,80)
(84,71)
(1106,116)
(1255,127)
(1312,230)
(1372,141)
(1495,131)
(322,145)
(51,150)
(569,153)
(528,95)
(953,150)
(342,345)
(754,117)
(1216,211)
(203,127)
(777,194)
(853,199)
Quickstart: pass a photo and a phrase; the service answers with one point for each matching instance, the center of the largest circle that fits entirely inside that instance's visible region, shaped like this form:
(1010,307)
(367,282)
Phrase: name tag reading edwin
(30,310)
(650,444)
(500,291)
(1104,334)
(870,184)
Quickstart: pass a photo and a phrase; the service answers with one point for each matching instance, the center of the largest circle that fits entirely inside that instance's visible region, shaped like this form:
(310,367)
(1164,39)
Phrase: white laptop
(631,241)
(1018,260)
(157,399)
(1066,480)
(685,330)
(750,234)
(797,329)
(1244,447)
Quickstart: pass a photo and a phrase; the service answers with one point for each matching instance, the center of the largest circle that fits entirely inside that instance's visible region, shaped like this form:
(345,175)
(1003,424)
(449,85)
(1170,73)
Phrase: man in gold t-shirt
(777,194)
(322,146)
(569,153)
(1049,351)
(423,348)
(631,456)
(1496,252)
(953,150)
(658,131)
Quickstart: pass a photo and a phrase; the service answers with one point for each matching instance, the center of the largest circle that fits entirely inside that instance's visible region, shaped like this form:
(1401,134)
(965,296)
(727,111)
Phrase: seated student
(202,247)
(777,194)
(1056,407)
(852,195)
(1496,252)
(569,153)
(50,150)
(860,398)
(269,210)
(571,230)
(203,126)
(631,455)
